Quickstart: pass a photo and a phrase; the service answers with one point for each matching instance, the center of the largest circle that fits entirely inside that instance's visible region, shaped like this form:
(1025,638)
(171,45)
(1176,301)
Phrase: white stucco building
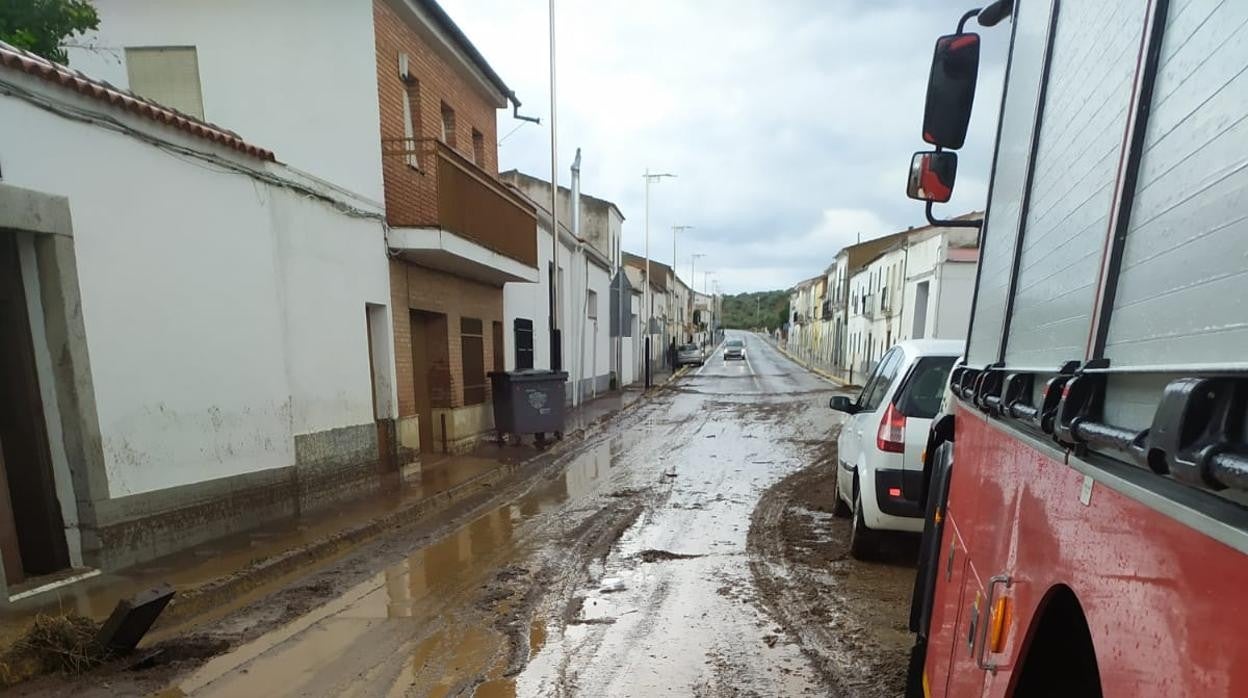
(208,329)
(939,285)
(253,67)
(586,265)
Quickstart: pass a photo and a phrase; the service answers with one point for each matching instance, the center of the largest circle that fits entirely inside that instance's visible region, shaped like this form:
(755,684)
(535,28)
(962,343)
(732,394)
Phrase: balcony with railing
(447,213)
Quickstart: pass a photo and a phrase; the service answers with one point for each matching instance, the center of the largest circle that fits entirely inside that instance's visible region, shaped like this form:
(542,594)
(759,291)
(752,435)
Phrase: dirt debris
(59,644)
(850,617)
(662,556)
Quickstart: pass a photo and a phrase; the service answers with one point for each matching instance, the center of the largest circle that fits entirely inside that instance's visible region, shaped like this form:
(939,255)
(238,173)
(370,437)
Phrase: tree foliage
(766,309)
(39,26)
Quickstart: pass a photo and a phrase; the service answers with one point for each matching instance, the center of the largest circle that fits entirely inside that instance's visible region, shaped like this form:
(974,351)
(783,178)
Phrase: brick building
(457,233)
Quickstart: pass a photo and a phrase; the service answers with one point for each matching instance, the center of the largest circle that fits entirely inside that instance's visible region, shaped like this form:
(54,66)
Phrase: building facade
(199,336)
(914,283)
(456,233)
(411,123)
(585,272)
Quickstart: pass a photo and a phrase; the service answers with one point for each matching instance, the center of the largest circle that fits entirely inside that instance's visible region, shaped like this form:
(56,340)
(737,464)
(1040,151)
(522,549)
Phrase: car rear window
(734,343)
(921,395)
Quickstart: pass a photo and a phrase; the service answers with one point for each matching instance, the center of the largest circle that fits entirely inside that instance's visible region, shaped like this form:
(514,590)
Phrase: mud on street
(684,547)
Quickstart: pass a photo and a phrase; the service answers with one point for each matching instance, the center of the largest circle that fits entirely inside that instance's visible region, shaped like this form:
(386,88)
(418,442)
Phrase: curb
(189,603)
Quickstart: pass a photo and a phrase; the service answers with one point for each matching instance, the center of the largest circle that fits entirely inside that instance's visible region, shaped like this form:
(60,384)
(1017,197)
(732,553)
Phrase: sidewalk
(238,568)
(839,376)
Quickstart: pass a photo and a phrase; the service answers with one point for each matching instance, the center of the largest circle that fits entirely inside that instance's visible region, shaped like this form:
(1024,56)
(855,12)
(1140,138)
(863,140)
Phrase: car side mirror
(951,90)
(840,403)
(932,174)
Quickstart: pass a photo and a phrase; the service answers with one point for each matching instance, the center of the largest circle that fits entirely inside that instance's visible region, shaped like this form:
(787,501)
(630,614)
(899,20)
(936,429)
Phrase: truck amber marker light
(1002,614)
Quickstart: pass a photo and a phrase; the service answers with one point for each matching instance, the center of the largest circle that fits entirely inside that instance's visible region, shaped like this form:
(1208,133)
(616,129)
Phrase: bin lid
(532,374)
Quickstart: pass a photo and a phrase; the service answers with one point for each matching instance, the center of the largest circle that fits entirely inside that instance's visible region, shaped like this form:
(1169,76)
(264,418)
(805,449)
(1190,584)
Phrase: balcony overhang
(443,250)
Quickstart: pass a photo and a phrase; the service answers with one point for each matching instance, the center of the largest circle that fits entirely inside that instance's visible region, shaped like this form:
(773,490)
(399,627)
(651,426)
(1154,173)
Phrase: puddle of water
(421,591)
(537,636)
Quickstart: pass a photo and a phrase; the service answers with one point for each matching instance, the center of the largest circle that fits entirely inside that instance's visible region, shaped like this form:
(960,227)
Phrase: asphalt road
(624,572)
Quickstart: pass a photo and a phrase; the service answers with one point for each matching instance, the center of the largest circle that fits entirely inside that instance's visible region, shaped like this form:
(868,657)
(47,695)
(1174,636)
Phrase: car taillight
(891,438)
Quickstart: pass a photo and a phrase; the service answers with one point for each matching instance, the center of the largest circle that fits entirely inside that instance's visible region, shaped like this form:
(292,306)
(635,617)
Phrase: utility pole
(556,341)
(646,288)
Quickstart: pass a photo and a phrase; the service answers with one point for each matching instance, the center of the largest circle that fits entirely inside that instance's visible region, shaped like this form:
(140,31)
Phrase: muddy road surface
(668,553)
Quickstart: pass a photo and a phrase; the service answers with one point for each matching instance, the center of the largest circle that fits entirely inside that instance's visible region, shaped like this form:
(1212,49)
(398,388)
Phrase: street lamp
(645,298)
(705,274)
(693,289)
(671,297)
(556,338)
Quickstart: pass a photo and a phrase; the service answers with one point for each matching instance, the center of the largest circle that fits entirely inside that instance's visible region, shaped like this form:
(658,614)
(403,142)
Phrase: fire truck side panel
(1164,602)
(1030,31)
(1186,250)
(1077,162)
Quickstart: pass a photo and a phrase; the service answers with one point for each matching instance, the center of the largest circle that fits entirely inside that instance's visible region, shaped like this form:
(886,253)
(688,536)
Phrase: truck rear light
(891,437)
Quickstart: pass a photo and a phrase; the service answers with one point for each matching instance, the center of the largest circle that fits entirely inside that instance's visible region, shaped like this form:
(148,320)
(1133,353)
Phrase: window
(472,353)
(591,302)
(873,394)
(925,387)
(448,125)
(523,330)
(167,74)
(411,120)
(478,148)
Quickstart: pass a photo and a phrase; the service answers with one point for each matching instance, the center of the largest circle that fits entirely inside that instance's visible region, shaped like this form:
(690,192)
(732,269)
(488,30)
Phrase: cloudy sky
(789,123)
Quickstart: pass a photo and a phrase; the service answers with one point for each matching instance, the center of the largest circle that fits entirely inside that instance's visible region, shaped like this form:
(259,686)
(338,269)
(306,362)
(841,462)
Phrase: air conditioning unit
(404,72)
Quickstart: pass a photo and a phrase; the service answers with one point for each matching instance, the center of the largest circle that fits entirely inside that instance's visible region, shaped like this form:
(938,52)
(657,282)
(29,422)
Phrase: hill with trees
(769,309)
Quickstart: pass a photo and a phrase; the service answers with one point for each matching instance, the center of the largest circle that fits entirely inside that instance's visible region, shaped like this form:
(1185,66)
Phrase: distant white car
(734,349)
(880,449)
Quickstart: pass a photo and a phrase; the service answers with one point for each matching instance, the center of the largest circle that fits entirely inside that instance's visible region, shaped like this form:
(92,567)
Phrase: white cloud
(790,124)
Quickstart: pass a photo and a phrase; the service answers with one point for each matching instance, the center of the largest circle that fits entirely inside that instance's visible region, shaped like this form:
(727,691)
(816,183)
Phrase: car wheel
(864,542)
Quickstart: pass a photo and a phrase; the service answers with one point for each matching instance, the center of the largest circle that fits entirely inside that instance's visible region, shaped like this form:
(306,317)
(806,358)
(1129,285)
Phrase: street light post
(556,340)
(671,296)
(693,287)
(692,259)
(645,298)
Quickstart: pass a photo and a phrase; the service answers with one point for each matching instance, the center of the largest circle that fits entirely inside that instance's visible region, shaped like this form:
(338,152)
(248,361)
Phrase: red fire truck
(1086,489)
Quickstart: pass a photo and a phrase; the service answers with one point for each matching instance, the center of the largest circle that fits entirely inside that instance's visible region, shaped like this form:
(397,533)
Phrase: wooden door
(32,511)
(421,364)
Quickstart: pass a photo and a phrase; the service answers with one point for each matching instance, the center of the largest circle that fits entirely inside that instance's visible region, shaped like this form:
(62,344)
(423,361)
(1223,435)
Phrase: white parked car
(880,449)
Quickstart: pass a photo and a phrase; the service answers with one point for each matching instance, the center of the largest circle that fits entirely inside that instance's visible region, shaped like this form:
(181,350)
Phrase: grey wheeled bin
(529,402)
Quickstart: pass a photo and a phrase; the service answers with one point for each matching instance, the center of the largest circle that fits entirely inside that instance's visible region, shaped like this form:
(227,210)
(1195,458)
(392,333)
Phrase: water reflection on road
(624,574)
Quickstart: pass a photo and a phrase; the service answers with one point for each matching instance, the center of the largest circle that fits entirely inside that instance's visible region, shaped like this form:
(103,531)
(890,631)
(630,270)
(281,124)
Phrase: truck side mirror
(951,90)
(932,174)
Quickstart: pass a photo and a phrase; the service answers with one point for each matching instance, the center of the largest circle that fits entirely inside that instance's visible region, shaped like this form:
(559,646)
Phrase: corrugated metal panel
(1014,141)
(1181,288)
(1089,98)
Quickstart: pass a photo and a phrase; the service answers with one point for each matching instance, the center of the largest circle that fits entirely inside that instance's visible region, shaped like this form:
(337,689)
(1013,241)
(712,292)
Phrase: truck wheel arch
(1057,656)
